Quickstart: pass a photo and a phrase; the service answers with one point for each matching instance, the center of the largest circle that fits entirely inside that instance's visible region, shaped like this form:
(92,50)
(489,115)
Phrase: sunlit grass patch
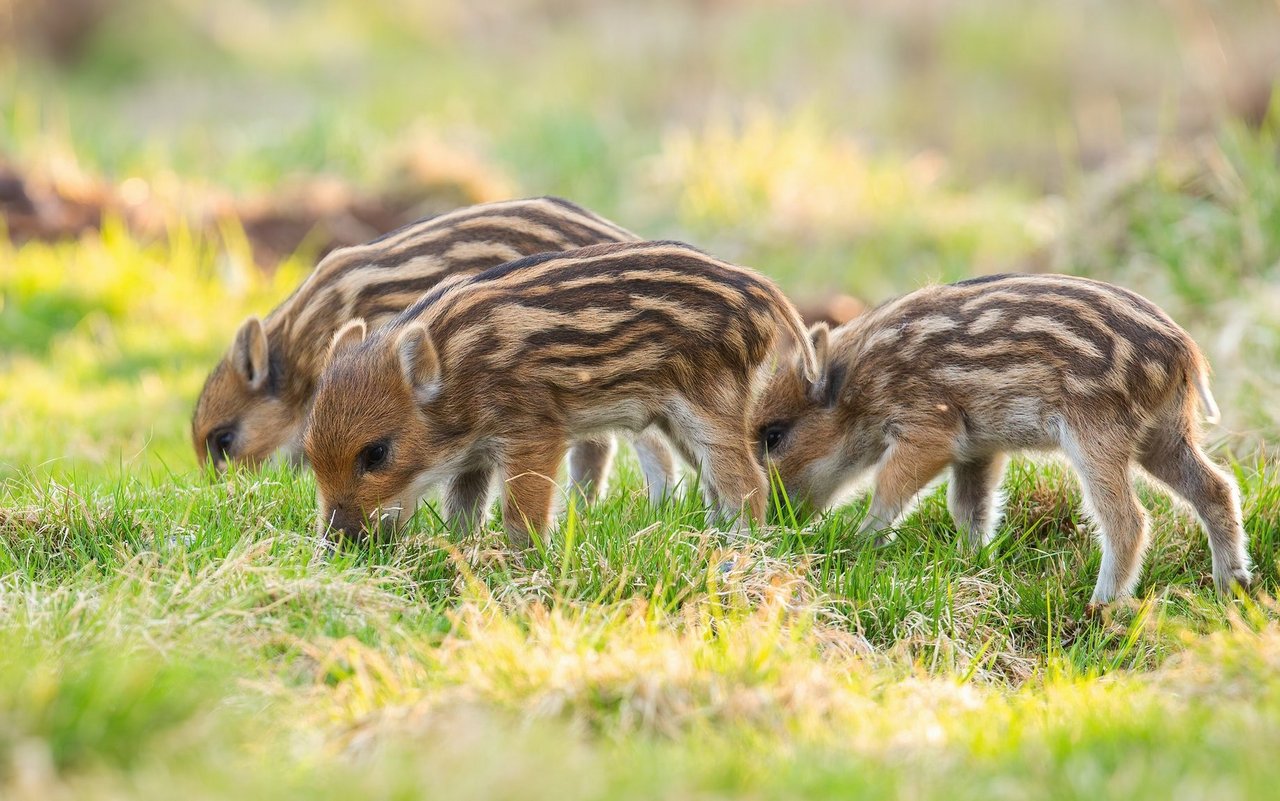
(620,670)
(108,340)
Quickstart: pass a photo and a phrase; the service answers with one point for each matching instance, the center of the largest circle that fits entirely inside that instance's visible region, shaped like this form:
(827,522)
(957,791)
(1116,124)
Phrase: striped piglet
(488,378)
(254,402)
(959,376)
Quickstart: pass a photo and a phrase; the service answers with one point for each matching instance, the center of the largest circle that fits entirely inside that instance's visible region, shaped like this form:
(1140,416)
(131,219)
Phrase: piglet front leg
(530,468)
(908,465)
(467,499)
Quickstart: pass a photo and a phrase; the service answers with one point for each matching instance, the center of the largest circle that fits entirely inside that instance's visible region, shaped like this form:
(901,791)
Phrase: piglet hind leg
(589,461)
(530,484)
(906,468)
(973,496)
(1173,459)
(657,463)
(1103,466)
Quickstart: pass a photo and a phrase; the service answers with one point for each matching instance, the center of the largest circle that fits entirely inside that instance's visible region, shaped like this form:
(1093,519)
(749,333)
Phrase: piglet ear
(419,362)
(249,355)
(820,336)
(347,337)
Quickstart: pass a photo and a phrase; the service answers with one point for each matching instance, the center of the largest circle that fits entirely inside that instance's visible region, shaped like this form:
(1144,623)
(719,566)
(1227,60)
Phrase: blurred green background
(174,165)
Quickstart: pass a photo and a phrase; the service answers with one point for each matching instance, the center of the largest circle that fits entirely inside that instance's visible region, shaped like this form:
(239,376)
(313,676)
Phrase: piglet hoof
(883,540)
(977,548)
(1229,579)
(519,542)
(323,548)
(737,532)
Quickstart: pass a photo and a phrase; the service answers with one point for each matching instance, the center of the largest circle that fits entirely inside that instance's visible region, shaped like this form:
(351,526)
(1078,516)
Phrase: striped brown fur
(490,376)
(959,376)
(255,400)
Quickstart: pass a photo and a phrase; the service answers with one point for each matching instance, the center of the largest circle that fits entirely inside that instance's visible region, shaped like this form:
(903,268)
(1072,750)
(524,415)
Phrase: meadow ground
(166,634)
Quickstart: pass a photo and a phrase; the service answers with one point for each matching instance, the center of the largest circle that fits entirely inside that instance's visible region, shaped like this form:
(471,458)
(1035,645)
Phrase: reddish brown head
(369,437)
(800,428)
(240,417)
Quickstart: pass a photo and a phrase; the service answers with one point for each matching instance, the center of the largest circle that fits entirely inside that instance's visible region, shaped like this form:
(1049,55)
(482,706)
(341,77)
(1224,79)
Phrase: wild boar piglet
(488,378)
(254,402)
(959,376)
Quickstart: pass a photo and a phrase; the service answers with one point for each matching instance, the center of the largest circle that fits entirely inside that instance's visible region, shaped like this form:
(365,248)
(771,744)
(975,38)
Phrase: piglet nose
(342,525)
(213,469)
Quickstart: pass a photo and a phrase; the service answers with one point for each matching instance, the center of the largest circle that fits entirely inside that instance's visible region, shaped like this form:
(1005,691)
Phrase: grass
(167,634)
(163,633)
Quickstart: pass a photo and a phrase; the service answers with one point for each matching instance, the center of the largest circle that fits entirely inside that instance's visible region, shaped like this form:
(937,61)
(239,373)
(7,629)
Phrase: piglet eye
(373,456)
(771,436)
(220,442)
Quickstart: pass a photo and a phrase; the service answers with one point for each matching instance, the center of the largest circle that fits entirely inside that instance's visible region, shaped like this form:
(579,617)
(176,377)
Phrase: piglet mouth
(214,470)
(338,527)
(788,505)
(243,463)
(286,458)
(385,521)
(381,523)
